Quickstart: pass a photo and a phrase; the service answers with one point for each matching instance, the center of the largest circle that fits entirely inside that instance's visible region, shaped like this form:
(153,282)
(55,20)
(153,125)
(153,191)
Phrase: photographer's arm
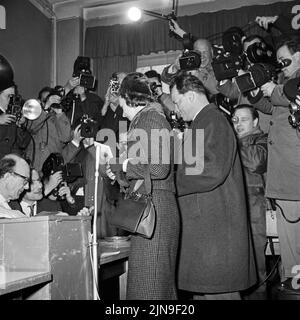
(54,180)
(71,84)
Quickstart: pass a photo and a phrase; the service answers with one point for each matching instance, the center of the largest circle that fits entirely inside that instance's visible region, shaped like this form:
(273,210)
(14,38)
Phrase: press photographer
(58,177)
(283,175)
(78,89)
(52,132)
(195,51)
(13,136)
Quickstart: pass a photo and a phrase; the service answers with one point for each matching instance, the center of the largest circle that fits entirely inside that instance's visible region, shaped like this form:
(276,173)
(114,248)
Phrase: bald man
(14,179)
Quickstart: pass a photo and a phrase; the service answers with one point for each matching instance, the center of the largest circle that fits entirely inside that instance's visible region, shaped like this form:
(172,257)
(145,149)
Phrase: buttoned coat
(283,174)
(216,254)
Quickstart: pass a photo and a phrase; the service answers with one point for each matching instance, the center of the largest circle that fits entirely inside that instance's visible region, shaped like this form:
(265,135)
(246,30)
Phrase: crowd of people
(212,172)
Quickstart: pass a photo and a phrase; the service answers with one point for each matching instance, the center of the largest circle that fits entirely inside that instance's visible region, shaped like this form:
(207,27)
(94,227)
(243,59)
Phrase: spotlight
(134,14)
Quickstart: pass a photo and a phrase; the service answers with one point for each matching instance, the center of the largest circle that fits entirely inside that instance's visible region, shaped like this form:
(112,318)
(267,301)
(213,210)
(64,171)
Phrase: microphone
(97,145)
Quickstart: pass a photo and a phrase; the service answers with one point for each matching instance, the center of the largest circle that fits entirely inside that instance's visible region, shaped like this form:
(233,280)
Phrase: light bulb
(134,14)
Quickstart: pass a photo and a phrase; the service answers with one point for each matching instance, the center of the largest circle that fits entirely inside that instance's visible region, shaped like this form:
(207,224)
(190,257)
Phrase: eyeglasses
(26,179)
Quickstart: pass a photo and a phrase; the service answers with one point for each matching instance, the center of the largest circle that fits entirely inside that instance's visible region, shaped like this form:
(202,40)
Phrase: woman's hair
(135,89)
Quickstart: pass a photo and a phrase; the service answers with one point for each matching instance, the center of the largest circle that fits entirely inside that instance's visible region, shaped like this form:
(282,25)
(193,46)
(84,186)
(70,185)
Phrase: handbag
(135,212)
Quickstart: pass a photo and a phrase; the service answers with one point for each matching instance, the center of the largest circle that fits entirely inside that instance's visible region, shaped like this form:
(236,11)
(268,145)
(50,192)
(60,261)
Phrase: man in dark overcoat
(216,255)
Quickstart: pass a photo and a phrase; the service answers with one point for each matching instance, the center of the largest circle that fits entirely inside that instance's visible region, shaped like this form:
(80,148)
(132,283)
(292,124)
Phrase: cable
(92,263)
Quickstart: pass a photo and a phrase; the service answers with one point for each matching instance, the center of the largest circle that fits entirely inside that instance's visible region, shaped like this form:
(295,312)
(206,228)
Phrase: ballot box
(55,244)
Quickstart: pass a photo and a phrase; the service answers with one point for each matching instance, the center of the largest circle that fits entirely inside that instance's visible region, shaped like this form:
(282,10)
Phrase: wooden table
(114,263)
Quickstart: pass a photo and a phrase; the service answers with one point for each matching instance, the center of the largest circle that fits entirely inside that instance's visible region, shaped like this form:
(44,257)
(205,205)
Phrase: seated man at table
(33,202)
(14,179)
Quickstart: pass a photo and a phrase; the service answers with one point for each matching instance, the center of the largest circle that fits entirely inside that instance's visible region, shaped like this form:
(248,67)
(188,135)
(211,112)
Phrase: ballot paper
(103,152)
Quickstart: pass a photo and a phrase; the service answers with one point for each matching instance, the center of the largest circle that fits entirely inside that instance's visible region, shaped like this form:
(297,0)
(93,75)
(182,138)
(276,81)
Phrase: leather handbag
(135,212)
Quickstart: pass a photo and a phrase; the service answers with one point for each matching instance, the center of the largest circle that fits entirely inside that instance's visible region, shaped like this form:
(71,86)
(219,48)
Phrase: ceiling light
(134,14)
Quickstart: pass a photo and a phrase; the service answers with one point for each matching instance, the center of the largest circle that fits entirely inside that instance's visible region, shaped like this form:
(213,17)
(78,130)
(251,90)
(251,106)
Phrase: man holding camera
(204,71)
(13,137)
(84,102)
(283,171)
(51,133)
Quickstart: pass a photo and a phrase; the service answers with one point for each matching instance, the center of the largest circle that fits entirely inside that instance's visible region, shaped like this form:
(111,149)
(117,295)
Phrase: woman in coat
(152,262)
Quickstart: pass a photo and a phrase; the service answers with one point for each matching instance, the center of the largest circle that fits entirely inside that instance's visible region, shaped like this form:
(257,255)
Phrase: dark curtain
(115,48)
(105,66)
(152,36)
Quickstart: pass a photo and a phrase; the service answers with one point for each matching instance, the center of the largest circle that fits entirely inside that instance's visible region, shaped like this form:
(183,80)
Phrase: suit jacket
(42,205)
(216,252)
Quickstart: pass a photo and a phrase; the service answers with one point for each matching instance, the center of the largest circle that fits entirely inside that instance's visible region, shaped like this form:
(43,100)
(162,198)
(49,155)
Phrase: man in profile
(216,257)
(14,179)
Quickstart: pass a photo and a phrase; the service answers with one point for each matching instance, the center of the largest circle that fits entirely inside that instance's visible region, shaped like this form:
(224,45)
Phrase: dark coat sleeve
(219,153)
(254,154)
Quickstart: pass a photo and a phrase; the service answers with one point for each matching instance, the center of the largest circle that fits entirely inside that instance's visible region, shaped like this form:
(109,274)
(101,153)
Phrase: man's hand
(85,211)
(174,27)
(265,22)
(64,191)
(77,135)
(71,84)
(267,88)
(7,118)
(79,90)
(52,99)
(54,180)
(21,121)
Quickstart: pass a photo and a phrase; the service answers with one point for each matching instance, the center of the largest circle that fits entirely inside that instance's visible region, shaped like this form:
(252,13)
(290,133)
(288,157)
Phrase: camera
(228,58)
(153,88)
(227,65)
(70,171)
(114,84)
(260,52)
(190,60)
(89,127)
(66,100)
(15,106)
(82,70)
(291,89)
(176,122)
(259,74)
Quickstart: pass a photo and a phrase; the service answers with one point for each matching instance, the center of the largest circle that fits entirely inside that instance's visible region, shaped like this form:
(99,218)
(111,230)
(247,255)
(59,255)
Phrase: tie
(31,207)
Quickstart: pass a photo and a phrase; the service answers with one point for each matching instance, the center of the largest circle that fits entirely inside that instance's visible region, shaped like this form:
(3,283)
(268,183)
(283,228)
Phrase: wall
(183,10)
(69,47)
(26,43)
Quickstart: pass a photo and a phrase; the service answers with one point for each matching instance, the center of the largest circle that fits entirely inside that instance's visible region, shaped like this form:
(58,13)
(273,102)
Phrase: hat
(6,74)
(292,88)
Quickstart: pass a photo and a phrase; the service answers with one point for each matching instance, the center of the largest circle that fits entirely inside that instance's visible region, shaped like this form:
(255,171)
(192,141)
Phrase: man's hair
(7,164)
(45,89)
(185,82)
(252,110)
(153,74)
(292,42)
